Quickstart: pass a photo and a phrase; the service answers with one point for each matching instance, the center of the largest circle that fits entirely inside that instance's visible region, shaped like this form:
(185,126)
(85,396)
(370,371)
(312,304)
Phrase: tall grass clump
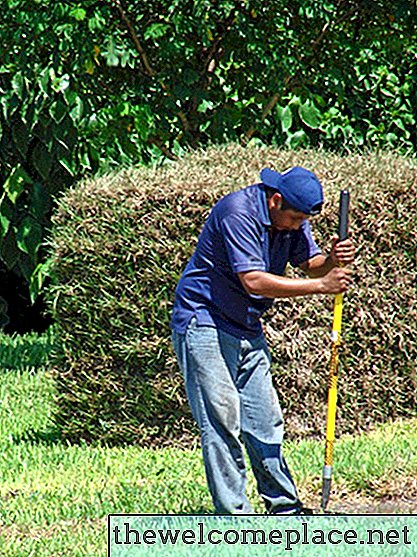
(119,245)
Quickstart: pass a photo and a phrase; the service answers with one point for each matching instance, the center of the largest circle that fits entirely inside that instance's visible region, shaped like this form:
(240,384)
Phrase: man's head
(293,196)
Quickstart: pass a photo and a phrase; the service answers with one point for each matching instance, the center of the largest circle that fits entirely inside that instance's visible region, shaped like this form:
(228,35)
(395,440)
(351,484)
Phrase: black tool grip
(343,214)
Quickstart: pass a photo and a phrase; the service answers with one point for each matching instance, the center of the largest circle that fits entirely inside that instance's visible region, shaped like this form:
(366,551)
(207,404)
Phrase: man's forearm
(318,266)
(274,286)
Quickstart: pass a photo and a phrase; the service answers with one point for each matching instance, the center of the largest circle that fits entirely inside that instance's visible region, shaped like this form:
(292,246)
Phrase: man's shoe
(304,511)
(297,511)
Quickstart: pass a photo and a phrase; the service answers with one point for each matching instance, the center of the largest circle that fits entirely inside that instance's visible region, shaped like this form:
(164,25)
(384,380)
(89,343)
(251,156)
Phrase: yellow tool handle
(332,392)
(337,318)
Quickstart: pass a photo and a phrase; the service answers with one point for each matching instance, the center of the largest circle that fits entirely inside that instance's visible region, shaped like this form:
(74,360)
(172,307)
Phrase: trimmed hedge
(120,242)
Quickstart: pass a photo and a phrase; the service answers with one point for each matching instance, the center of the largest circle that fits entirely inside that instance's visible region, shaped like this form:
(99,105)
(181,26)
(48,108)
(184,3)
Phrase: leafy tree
(97,84)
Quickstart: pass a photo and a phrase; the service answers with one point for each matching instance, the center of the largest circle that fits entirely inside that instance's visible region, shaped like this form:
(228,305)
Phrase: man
(235,273)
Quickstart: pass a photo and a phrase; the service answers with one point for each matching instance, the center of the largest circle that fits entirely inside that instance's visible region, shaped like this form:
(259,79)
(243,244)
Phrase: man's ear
(277,200)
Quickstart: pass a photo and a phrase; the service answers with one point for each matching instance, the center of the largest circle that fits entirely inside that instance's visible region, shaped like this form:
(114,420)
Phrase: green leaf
(387,92)
(296,139)
(333,131)
(77,109)
(392,78)
(18,84)
(204,106)
(5,107)
(156,30)
(93,155)
(20,135)
(124,109)
(27,265)
(67,166)
(400,124)
(40,201)
(9,252)
(29,236)
(60,84)
(125,58)
(286,118)
(112,57)
(309,114)
(256,142)
(58,111)
(38,277)
(85,161)
(391,137)
(42,160)
(78,13)
(68,135)
(43,80)
(112,60)
(15,183)
(6,216)
(97,22)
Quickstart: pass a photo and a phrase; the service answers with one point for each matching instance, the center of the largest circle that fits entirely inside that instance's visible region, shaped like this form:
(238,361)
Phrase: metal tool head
(325,496)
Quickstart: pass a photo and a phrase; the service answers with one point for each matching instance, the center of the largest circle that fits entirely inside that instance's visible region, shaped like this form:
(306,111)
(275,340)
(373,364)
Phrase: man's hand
(343,252)
(336,281)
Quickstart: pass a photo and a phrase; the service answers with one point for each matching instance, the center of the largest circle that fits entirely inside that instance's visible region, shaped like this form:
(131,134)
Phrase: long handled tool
(332,389)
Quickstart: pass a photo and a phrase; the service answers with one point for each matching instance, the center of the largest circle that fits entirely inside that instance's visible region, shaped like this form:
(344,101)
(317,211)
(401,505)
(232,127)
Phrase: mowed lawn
(55,497)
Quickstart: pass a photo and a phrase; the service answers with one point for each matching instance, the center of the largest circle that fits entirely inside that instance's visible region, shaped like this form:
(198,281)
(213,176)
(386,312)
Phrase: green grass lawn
(55,497)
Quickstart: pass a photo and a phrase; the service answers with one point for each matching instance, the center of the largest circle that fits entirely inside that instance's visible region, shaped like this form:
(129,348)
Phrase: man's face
(287,219)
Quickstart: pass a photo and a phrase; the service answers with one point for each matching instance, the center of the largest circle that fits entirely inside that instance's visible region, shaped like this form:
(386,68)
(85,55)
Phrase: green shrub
(120,243)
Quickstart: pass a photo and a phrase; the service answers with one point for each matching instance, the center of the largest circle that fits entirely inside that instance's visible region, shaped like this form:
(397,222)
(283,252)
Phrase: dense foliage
(87,85)
(120,243)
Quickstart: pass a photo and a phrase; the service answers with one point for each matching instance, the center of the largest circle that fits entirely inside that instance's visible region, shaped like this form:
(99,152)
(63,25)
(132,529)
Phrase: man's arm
(274,286)
(328,276)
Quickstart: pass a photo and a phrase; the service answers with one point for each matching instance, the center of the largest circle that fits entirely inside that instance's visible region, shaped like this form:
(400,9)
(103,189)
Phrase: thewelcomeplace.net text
(306,534)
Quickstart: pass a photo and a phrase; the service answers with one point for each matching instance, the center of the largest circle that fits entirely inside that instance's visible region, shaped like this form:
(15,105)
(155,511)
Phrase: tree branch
(327,26)
(271,104)
(290,78)
(215,49)
(145,61)
(212,56)
(159,143)
(150,71)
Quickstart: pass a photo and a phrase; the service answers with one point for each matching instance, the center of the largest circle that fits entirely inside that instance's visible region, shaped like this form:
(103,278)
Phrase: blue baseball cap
(298,186)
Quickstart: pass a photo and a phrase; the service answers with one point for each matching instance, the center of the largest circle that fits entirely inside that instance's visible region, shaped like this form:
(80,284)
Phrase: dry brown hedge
(120,242)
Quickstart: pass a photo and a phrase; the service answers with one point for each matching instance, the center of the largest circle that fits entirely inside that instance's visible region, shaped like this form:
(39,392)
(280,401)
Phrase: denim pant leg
(263,430)
(215,404)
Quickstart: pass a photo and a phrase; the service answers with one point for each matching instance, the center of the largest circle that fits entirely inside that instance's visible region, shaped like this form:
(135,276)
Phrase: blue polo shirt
(236,237)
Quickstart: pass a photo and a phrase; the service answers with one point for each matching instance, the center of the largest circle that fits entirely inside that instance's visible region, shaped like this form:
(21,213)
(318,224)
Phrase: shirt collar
(263,206)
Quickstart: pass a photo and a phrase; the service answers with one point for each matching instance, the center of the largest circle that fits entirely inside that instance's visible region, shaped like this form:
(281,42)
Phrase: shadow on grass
(26,352)
(48,437)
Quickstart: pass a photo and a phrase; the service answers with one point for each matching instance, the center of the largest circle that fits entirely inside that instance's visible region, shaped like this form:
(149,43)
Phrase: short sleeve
(303,245)
(242,236)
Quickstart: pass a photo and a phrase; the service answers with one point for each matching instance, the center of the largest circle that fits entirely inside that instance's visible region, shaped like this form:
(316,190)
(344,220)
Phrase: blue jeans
(230,392)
